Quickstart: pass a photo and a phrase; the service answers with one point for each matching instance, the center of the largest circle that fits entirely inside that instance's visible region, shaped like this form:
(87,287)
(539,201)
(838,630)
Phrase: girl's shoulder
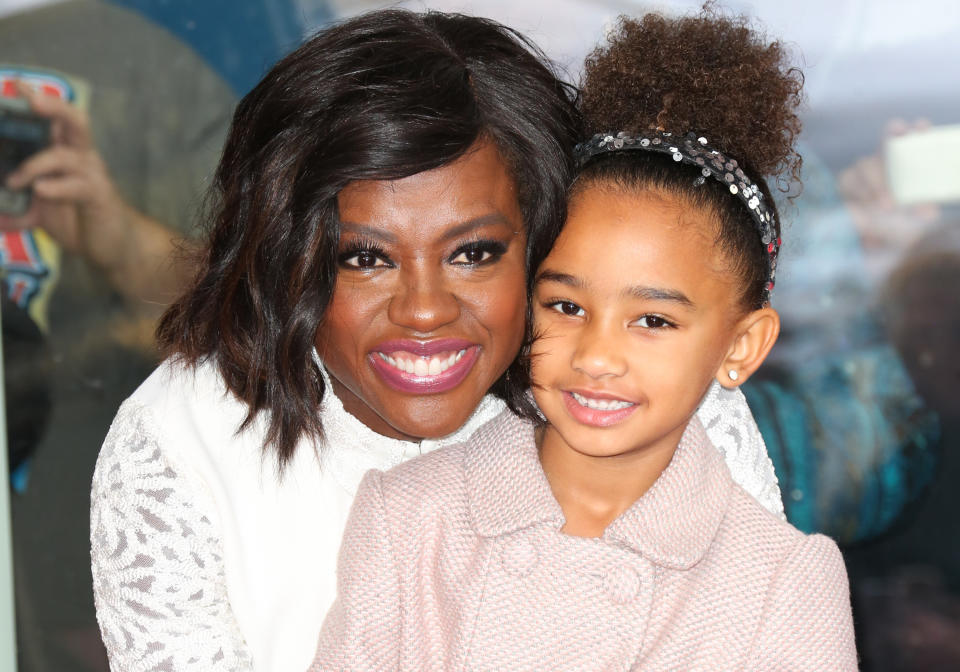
(762,539)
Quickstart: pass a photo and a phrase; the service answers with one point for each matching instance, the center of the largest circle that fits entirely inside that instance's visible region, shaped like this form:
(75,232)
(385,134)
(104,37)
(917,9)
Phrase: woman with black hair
(361,300)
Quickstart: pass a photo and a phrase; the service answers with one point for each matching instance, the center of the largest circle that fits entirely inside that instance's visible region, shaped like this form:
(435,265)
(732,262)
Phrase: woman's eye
(479,253)
(653,322)
(568,308)
(362,259)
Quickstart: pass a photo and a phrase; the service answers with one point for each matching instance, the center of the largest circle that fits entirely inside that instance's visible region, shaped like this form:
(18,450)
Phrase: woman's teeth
(422,366)
(601,404)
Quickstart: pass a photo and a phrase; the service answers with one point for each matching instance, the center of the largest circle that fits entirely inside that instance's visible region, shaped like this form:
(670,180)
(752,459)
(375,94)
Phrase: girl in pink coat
(608,533)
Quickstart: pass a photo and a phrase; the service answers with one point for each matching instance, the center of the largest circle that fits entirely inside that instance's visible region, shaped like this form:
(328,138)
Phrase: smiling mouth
(424,368)
(432,365)
(600,411)
(601,404)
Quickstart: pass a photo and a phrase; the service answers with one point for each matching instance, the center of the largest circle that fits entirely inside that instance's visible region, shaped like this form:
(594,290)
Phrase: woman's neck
(594,490)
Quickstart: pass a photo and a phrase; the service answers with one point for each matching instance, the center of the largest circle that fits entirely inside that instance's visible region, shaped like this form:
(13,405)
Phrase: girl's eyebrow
(563,278)
(659,294)
(637,291)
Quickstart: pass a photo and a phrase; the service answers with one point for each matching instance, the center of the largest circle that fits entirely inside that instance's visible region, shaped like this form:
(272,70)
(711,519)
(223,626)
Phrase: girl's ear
(756,334)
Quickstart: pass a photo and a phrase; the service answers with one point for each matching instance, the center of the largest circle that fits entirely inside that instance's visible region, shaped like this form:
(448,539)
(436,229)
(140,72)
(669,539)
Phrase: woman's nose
(597,353)
(423,301)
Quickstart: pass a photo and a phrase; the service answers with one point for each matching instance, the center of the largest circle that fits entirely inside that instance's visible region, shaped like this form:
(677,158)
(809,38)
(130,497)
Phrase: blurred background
(858,405)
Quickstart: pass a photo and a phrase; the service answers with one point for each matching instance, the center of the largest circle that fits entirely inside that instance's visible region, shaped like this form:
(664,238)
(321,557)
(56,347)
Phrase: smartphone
(22,134)
(922,166)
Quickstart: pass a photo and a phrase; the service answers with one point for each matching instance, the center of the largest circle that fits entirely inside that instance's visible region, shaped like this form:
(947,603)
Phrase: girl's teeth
(601,404)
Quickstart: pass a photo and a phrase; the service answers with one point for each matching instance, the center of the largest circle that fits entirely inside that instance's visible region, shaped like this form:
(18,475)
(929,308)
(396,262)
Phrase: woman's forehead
(475,190)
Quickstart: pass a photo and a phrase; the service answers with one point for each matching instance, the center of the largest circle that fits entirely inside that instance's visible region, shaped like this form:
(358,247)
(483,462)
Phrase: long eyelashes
(652,321)
(362,253)
(366,254)
(564,307)
(568,308)
(477,252)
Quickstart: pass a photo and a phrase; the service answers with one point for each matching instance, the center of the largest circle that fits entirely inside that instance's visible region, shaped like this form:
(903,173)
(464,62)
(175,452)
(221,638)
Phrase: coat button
(622,584)
(519,556)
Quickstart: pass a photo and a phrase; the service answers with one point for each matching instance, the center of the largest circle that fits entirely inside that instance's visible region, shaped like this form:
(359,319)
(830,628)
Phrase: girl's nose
(423,301)
(597,353)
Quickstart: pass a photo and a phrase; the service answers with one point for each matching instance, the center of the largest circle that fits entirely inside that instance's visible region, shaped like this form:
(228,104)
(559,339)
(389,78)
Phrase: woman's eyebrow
(476,223)
(367,232)
(455,231)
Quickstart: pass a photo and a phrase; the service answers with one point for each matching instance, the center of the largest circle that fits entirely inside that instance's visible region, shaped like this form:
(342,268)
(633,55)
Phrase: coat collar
(672,525)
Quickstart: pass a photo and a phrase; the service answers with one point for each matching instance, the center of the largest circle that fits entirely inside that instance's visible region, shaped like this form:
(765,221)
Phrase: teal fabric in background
(852,442)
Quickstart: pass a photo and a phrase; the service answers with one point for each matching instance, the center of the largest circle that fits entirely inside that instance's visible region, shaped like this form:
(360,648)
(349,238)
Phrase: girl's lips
(424,368)
(598,416)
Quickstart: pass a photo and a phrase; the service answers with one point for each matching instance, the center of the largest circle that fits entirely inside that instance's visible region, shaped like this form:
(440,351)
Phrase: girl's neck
(593,491)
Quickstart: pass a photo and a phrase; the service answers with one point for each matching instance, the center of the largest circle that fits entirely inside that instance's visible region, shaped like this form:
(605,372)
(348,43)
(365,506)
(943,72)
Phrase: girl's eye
(477,253)
(567,308)
(653,322)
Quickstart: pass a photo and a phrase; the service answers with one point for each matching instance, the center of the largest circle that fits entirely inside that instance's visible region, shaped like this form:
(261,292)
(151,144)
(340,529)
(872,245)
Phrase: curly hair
(382,96)
(711,75)
(706,74)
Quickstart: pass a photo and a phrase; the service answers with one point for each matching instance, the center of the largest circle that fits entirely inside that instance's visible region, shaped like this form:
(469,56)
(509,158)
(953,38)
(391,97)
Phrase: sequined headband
(697,151)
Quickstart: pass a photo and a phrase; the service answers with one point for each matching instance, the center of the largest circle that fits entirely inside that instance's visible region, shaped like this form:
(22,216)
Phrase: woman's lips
(430,367)
(597,409)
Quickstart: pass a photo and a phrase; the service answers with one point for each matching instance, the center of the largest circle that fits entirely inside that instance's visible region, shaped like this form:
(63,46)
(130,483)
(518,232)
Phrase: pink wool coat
(455,561)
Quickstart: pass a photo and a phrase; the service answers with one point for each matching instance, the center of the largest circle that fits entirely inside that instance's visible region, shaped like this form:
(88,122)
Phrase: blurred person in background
(90,266)
(908,581)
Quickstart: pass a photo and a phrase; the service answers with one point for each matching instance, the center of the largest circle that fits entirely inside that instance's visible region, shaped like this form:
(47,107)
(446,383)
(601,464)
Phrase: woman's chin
(430,423)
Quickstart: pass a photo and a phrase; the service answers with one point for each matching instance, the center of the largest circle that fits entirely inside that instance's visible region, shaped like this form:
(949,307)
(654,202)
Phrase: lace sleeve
(157,562)
(729,423)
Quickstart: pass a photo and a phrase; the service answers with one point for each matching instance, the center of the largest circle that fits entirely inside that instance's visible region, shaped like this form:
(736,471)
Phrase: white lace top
(205,559)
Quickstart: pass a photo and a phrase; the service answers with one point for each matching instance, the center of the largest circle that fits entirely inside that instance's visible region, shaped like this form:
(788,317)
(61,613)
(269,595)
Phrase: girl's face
(634,315)
(428,309)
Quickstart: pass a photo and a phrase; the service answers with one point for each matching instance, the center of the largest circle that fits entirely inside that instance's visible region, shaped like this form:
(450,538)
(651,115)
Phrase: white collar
(350,448)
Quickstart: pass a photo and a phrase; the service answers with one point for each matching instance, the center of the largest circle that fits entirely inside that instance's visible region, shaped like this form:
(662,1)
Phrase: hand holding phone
(22,134)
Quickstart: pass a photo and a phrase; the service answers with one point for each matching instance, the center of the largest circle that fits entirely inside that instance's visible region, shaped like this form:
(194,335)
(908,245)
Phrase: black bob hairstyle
(382,96)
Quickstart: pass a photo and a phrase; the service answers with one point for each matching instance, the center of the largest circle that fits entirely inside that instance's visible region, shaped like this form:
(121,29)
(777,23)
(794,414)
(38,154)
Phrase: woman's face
(428,309)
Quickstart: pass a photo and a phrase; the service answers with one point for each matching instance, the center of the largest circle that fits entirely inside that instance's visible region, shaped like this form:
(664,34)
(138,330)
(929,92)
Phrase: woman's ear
(756,334)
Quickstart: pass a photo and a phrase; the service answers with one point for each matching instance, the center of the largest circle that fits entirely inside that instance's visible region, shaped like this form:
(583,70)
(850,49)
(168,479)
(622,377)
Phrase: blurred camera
(922,166)
(22,134)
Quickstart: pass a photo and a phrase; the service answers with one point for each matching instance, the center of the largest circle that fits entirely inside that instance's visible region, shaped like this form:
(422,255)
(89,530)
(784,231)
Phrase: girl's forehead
(615,239)
(638,219)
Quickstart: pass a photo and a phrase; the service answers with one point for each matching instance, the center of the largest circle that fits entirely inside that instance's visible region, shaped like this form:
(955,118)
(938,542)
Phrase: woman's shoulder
(187,398)
(186,413)
(177,383)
